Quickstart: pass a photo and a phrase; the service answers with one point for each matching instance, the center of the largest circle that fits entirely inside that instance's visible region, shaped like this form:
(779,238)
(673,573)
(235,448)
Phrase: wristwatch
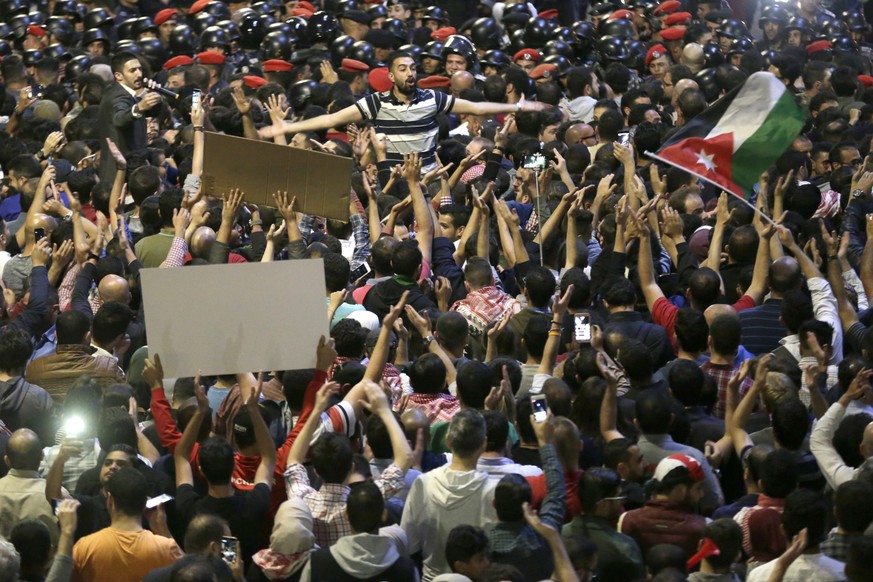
(428,340)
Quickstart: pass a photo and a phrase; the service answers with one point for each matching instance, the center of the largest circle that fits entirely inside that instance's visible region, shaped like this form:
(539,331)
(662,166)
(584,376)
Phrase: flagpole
(716,184)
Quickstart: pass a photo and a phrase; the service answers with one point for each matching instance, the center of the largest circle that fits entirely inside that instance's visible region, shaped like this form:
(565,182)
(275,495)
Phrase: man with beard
(406,114)
(122,112)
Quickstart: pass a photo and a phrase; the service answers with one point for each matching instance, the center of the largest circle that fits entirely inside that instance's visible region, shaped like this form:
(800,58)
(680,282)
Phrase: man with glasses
(845,154)
(580,133)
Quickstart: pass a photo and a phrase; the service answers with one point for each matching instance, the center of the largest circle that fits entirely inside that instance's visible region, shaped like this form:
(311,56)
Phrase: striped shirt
(762,329)
(410,127)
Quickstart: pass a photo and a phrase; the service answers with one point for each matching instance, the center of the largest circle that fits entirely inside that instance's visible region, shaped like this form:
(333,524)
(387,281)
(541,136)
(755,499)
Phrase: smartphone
(38,234)
(583,328)
(360,271)
(538,405)
(73,426)
(624,138)
(195,99)
(228,549)
(159,500)
(35,92)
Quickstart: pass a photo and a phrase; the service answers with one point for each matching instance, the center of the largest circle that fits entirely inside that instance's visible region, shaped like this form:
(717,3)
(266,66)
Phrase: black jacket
(116,121)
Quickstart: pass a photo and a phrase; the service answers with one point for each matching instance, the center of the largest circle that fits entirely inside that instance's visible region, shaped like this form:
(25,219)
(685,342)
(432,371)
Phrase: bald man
(415,420)
(762,325)
(680,86)
(461,81)
(693,57)
(580,133)
(58,372)
(114,288)
(22,490)
(201,242)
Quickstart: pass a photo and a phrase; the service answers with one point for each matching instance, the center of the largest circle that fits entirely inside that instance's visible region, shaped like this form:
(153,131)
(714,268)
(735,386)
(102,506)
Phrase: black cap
(379,38)
(357,15)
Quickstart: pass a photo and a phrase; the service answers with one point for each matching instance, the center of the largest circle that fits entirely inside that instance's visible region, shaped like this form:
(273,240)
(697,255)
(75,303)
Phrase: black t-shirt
(245,512)
(92,514)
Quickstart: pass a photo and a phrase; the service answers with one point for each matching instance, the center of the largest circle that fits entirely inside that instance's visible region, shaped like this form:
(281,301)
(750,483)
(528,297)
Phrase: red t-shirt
(664,314)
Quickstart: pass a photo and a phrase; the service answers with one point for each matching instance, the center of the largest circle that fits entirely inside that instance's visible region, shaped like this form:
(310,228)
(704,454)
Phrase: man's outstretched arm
(350,114)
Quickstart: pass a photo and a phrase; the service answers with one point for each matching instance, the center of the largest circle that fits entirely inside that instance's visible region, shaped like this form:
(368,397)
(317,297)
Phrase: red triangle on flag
(709,159)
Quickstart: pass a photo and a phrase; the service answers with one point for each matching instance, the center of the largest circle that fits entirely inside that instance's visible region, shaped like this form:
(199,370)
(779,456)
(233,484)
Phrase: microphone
(163,91)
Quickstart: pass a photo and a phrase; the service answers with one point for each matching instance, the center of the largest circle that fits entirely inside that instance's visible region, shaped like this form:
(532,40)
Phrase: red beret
(210,58)
(818,46)
(253,82)
(656,52)
(165,15)
(623,13)
(36,30)
(180,61)
(302,12)
(668,7)
(527,55)
(198,6)
(677,18)
(543,71)
(274,65)
(549,14)
(434,81)
(306,6)
(354,66)
(379,80)
(866,80)
(441,34)
(673,33)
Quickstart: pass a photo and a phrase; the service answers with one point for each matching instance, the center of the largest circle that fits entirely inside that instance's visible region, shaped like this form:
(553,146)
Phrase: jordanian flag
(731,143)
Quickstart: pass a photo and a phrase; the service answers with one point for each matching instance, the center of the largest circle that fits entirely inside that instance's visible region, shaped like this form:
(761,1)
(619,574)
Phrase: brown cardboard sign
(320,181)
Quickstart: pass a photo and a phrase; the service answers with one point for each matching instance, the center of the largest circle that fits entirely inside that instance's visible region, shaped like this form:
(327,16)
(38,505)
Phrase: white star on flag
(706,160)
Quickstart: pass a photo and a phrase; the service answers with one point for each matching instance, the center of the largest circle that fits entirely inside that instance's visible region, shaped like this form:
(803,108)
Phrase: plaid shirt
(176,254)
(75,466)
(832,381)
(437,407)
(328,504)
(837,545)
(485,306)
(722,373)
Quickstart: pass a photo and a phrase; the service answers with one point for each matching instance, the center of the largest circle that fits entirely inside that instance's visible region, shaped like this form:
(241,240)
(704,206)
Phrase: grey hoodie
(437,502)
(362,556)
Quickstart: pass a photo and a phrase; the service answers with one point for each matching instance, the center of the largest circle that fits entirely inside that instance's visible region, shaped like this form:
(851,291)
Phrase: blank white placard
(243,317)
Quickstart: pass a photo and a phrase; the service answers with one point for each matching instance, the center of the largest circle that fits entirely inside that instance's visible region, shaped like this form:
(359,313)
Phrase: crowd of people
(549,357)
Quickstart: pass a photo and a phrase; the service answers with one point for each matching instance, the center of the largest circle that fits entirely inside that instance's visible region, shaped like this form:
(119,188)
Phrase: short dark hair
(128,487)
(115,427)
(796,309)
(616,451)
(596,484)
(397,55)
(635,358)
(620,292)
(478,272)
(332,457)
(427,375)
(790,423)
(143,182)
(406,258)
(496,430)
(653,412)
(848,435)
(728,538)
(540,285)
(805,509)
(350,338)
(705,286)
(15,349)
(120,59)
(71,327)
(692,330)
(453,330)
(473,383)
(852,506)
(535,335)
(294,383)
(203,530)
(378,437)
(336,271)
(466,432)
(110,321)
(463,542)
(511,493)
(33,541)
(691,102)
(686,382)
(216,460)
(778,474)
(24,165)
(726,334)
(365,505)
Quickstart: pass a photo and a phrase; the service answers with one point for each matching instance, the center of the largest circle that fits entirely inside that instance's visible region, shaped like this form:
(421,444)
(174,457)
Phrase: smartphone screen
(38,234)
(155,501)
(538,405)
(582,328)
(359,271)
(195,99)
(228,549)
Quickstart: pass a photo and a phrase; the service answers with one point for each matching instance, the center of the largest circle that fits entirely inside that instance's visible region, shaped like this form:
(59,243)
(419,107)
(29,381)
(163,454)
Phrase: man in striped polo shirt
(405,114)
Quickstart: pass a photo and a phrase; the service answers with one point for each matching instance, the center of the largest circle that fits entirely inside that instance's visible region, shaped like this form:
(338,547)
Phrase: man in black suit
(122,112)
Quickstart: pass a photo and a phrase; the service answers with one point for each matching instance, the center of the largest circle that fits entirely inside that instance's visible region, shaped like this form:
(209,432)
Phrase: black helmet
(31,58)
(5,49)
(619,28)
(516,41)
(95,35)
(219,10)
(153,52)
(300,93)
(340,48)
(377,11)
(97,18)
(78,65)
(831,29)
(844,44)
(61,30)
(460,45)
(182,41)
(67,8)
(252,30)
(733,28)
(799,23)
(322,27)
(18,25)
(129,46)
(433,49)
(636,50)
(143,24)
(414,50)
(342,6)
(496,58)
(706,80)
(565,34)
(773,13)
(739,46)
(486,34)
(262,8)
(37,18)
(519,8)
(125,29)
(282,26)
(562,64)
(712,56)
(364,52)
(855,21)
(538,32)
(202,21)
(214,37)
(9,8)
(557,47)
(397,28)
(297,27)
(57,51)
(276,45)
(435,13)
(612,49)
(585,33)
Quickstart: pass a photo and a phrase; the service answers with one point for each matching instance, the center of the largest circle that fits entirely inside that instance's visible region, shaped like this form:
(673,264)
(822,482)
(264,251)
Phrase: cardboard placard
(225,319)
(320,181)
